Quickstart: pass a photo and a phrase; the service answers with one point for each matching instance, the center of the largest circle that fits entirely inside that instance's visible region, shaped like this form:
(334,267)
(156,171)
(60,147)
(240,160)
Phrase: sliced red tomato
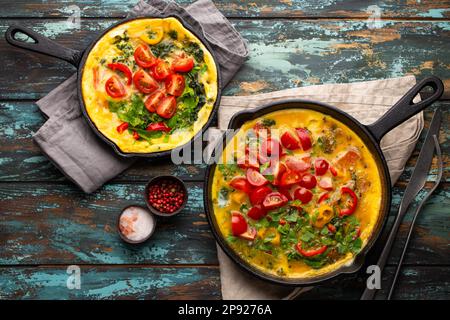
(258,195)
(161,70)
(290,177)
(182,64)
(261,131)
(326,183)
(238,223)
(297,164)
(122,127)
(305,138)
(321,166)
(122,68)
(153,100)
(241,183)
(256,212)
(144,57)
(158,126)
(144,82)
(246,163)
(286,191)
(290,140)
(276,169)
(136,135)
(255,178)
(310,253)
(250,234)
(303,194)
(167,107)
(114,88)
(308,181)
(175,84)
(274,200)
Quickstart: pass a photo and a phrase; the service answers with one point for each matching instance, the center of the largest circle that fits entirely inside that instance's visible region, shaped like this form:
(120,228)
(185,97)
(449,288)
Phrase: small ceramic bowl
(157,180)
(128,240)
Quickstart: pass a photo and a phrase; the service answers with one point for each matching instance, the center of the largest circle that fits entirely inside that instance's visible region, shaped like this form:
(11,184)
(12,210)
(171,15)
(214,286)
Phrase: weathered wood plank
(48,223)
(139,282)
(284,53)
(21,159)
(111,283)
(235,8)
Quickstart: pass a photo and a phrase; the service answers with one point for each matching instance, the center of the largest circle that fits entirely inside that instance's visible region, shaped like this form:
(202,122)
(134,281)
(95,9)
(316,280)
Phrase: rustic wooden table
(47,224)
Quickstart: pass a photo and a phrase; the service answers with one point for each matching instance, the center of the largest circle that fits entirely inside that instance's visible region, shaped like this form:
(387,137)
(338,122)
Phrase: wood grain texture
(48,223)
(431,9)
(144,282)
(283,54)
(21,159)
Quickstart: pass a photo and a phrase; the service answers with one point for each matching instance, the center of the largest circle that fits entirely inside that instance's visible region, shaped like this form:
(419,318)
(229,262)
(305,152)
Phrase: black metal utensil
(416,213)
(416,183)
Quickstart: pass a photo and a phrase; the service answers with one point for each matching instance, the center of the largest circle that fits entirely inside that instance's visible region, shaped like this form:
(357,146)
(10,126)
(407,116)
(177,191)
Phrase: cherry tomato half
(321,166)
(122,68)
(289,178)
(240,183)
(274,200)
(175,84)
(144,57)
(256,212)
(303,194)
(167,107)
(305,138)
(308,181)
(258,195)
(238,223)
(153,100)
(290,140)
(144,82)
(161,70)
(182,64)
(114,88)
(255,178)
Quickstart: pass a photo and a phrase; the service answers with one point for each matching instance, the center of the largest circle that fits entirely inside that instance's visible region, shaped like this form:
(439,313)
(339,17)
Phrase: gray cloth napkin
(66,137)
(366,101)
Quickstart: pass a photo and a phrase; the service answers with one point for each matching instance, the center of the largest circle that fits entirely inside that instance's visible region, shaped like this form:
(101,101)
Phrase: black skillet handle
(42,44)
(405,108)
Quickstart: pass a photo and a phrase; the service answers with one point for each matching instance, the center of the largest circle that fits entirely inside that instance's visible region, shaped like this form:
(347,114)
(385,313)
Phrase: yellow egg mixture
(95,74)
(368,183)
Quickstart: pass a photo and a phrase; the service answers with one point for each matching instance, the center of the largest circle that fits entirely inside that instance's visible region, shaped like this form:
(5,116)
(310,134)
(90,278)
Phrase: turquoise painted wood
(46,223)
(283,53)
(20,120)
(240,8)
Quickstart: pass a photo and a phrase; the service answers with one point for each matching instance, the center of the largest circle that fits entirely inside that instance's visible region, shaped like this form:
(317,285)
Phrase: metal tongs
(415,185)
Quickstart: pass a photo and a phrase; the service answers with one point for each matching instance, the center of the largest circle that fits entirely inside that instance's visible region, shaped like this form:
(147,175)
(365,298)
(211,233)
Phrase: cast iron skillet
(370,134)
(78,59)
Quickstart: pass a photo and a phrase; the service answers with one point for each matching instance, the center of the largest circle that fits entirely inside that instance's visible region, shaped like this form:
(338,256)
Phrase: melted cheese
(369,203)
(96,99)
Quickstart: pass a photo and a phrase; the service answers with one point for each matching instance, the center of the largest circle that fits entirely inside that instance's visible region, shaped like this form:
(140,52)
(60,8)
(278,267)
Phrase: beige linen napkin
(366,101)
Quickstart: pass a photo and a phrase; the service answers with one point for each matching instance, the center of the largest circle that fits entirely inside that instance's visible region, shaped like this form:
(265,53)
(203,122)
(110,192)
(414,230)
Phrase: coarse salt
(136,223)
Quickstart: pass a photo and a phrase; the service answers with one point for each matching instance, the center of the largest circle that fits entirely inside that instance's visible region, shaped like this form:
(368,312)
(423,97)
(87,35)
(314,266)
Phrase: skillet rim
(357,262)
(157,154)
